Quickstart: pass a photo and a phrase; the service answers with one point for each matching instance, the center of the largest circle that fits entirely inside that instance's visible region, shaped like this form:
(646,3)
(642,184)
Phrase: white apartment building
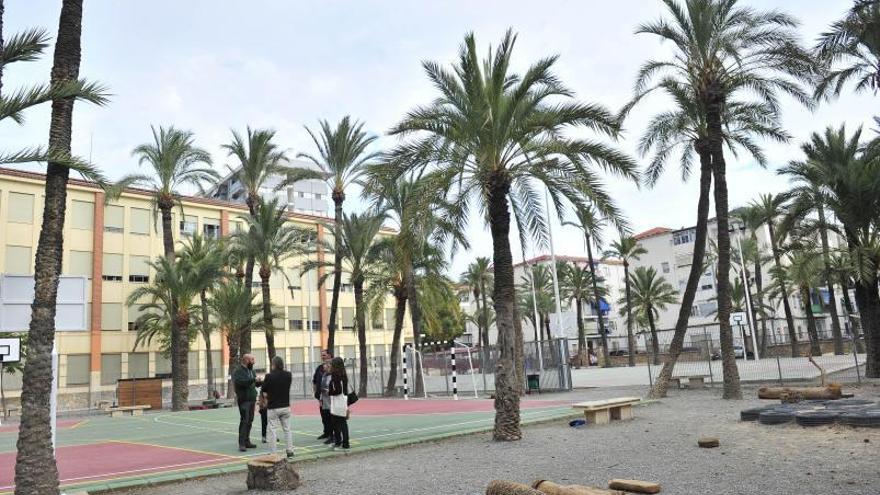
(311,197)
(610,270)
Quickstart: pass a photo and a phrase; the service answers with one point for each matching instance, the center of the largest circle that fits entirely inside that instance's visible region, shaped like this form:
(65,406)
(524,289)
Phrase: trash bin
(533,382)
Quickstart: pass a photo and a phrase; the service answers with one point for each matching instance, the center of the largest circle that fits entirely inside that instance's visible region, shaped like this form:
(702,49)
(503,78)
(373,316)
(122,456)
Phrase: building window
(294,278)
(189,225)
(20,208)
(163,365)
(211,228)
(294,317)
(139,365)
(78,369)
(347,318)
(194,366)
(665,267)
(683,237)
(315,319)
(112,269)
(82,215)
(319,196)
(18,260)
(114,219)
(111,368)
(140,221)
(706,287)
(111,316)
(139,269)
(80,263)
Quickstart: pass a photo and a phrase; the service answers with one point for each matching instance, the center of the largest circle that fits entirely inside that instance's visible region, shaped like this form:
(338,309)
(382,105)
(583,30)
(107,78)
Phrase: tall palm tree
(175,288)
(723,51)
(538,283)
(493,136)
(590,221)
(627,249)
(684,131)
(577,284)
(343,154)
(850,50)
(36,471)
(808,199)
(269,240)
(804,271)
(478,277)
(770,208)
(651,293)
(843,271)
(259,159)
(752,217)
(208,256)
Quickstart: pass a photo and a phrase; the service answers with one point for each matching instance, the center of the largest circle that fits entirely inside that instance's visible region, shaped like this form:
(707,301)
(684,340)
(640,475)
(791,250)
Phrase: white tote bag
(339,404)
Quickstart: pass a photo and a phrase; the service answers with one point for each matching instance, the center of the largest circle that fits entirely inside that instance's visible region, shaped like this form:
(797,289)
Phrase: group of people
(330,383)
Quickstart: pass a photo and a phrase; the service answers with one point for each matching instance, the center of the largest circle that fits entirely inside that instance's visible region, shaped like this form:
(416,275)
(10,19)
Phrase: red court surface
(81,463)
(390,407)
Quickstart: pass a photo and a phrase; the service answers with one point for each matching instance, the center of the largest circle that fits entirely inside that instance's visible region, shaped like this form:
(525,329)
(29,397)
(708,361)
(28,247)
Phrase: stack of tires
(850,412)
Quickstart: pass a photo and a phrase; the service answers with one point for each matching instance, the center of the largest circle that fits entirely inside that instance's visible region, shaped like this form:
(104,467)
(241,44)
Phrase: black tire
(775,417)
(869,418)
(849,402)
(816,418)
(751,414)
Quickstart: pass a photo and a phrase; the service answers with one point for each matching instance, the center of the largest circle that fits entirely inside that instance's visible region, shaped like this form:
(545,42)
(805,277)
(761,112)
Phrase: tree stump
(708,442)
(271,472)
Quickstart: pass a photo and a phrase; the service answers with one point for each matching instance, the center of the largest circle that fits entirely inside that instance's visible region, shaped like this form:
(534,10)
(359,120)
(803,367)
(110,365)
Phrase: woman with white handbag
(339,403)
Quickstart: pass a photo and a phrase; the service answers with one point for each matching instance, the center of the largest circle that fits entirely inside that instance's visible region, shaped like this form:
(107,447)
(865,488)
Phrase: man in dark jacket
(246,384)
(317,380)
(276,388)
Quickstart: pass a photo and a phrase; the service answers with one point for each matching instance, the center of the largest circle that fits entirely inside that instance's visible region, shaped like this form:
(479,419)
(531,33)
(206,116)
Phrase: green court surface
(101,453)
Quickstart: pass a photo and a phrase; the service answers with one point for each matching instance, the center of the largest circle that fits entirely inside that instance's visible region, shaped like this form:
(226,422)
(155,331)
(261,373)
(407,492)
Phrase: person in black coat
(322,398)
(339,386)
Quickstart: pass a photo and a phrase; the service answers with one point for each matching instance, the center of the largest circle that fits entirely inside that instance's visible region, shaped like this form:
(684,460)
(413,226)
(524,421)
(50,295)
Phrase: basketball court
(99,452)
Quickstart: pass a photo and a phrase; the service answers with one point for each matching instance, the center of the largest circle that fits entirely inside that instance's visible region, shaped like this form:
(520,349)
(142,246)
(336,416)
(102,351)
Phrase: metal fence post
(708,342)
(856,358)
(779,367)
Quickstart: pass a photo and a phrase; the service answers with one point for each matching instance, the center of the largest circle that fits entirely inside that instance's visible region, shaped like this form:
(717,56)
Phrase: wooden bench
(602,412)
(693,381)
(130,410)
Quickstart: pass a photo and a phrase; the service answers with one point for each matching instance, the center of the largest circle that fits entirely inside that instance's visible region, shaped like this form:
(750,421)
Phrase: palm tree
(341,160)
(36,471)
(843,271)
(808,198)
(752,217)
(259,159)
(851,51)
(208,256)
(493,135)
(626,250)
(478,277)
(769,208)
(269,241)
(577,284)
(176,286)
(684,131)
(591,223)
(650,294)
(232,310)
(538,283)
(804,270)
(723,51)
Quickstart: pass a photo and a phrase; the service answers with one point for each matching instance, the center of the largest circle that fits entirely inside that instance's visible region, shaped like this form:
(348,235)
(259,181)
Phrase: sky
(211,66)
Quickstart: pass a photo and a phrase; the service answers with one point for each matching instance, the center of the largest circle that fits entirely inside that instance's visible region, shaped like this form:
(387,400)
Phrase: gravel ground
(659,445)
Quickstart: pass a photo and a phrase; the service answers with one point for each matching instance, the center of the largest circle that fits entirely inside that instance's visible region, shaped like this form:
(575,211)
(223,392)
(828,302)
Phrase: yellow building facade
(111,244)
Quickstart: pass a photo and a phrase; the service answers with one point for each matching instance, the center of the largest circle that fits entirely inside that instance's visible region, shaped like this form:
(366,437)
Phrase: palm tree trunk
(479,318)
(399,313)
(630,338)
(485,314)
(854,322)
(507,415)
(361,321)
(206,334)
(267,311)
(338,198)
(519,352)
(166,204)
(180,395)
(36,472)
(815,350)
(234,358)
(789,319)
(829,283)
(582,333)
(245,336)
(606,358)
(655,345)
(415,313)
(728,359)
(759,291)
(546,335)
(868,302)
(690,291)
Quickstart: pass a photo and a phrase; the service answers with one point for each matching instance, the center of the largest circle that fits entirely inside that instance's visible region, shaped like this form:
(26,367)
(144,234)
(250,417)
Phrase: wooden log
(551,488)
(706,443)
(504,487)
(829,392)
(271,472)
(637,486)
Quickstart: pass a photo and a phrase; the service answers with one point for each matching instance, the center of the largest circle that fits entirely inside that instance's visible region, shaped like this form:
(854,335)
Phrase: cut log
(271,472)
(551,488)
(829,392)
(635,486)
(504,487)
(706,443)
